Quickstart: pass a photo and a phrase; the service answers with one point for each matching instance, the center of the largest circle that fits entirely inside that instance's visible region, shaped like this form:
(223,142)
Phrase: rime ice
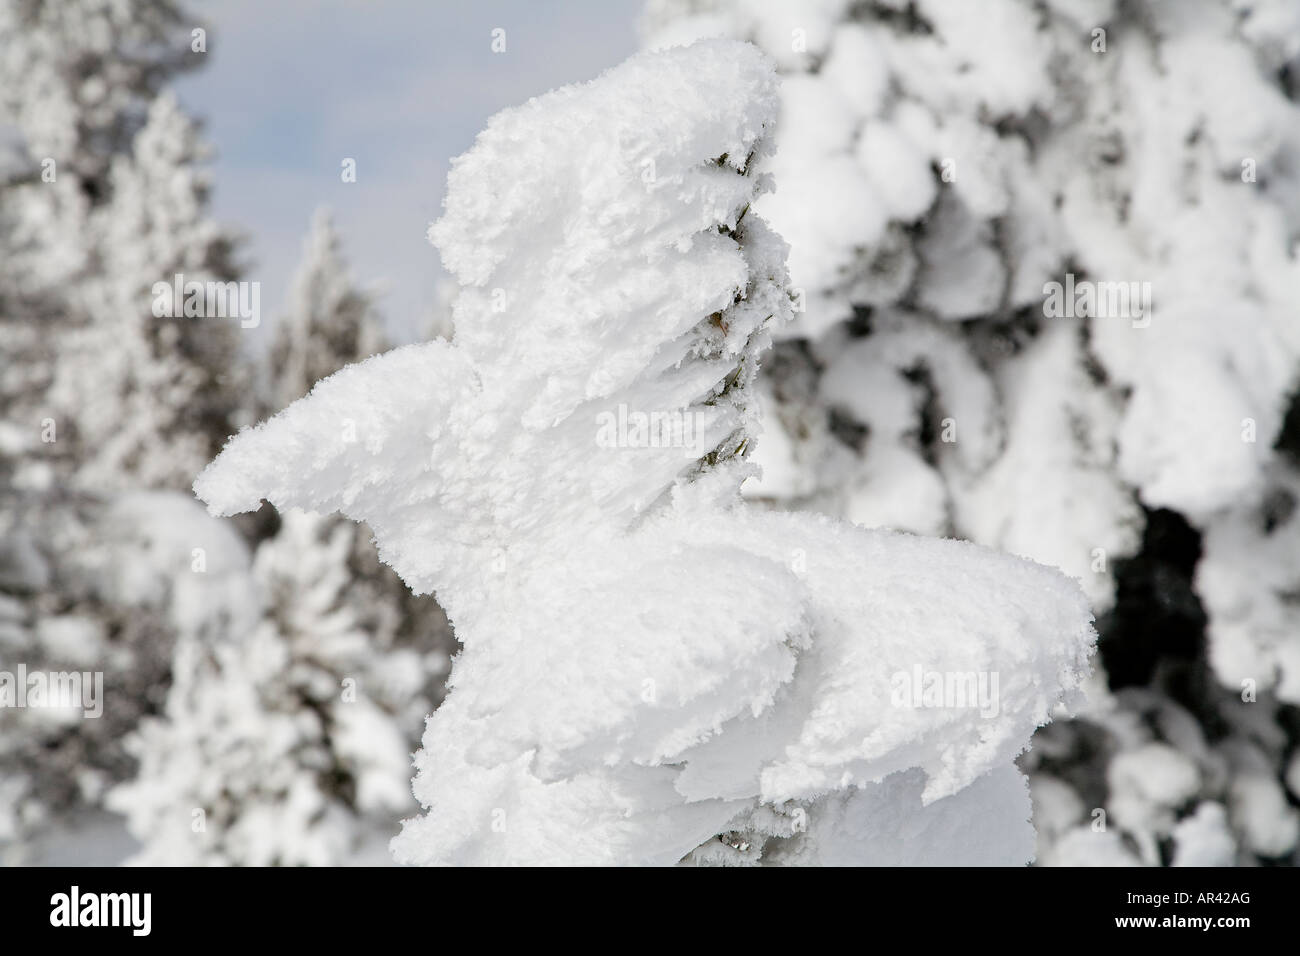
(653,671)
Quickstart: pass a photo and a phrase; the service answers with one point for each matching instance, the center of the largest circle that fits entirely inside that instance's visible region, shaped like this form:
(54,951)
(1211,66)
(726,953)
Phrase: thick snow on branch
(652,671)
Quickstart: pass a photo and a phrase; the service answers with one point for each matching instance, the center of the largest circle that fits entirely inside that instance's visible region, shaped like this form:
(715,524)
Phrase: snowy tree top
(648,663)
(606,260)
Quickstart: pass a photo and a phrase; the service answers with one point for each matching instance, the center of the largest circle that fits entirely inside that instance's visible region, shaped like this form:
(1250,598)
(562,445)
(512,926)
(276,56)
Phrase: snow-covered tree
(287,742)
(145,395)
(329,323)
(126,578)
(106,199)
(100,198)
(653,670)
(78,75)
(950,175)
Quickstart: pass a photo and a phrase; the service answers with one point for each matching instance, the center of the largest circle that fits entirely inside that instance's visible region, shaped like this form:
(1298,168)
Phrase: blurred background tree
(107,413)
(939,164)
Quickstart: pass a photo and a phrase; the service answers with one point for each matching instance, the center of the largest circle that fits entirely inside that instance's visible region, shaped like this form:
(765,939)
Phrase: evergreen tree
(146,396)
(288,744)
(329,322)
(651,670)
(100,198)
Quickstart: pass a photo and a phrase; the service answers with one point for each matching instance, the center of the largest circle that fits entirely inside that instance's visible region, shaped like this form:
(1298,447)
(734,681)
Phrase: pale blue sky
(294,86)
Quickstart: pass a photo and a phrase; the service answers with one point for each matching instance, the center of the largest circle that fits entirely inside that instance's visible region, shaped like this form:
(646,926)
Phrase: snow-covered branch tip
(648,664)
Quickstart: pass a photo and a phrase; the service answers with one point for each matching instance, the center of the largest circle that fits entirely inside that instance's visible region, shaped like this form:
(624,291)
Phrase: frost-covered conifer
(105,198)
(100,198)
(145,393)
(653,670)
(155,570)
(287,742)
(329,323)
